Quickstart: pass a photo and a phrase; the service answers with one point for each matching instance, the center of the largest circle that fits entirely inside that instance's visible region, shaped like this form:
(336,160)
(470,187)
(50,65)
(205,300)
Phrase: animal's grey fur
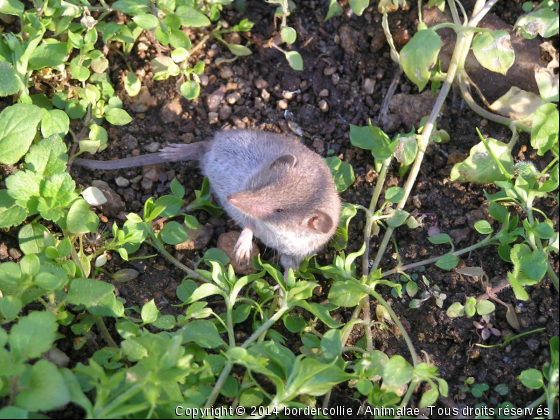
(283,190)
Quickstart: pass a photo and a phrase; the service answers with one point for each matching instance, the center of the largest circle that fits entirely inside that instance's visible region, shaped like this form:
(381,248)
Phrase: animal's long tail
(171,153)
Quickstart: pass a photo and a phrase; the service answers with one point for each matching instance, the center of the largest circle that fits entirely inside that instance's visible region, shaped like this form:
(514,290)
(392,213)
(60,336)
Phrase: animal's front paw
(243,247)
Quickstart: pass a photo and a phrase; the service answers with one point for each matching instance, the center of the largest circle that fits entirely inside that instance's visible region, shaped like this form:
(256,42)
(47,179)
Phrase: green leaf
(48,55)
(43,389)
(11,214)
(342,172)
(440,238)
(54,122)
(12,7)
(334,10)
(358,6)
(238,50)
(132,84)
(493,51)
(177,188)
(173,233)
(482,226)
(9,82)
(288,34)
(88,292)
(455,310)
(216,254)
(48,157)
(480,167)
(394,194)
(485,307)
(346,294)
(534,264)
(406,150)
(316,378)
(398,371)
(532,379)
(32,335)
(429,397)
(150,312)
(33,238)
(544,134)
(202,332)
(80,73)
(117,116)
(81,219)
(10,306)
(543,22)
(191,17)
(190,89)
(420,55)
(146,21)
(18,125)
(131,6)
(398,217)
(331,345)
(340,238)
(294,60)
(447,262)
(374,139)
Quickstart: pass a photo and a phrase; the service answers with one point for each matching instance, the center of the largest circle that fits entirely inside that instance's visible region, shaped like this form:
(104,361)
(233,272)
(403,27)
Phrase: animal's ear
(289,160)
(319,221)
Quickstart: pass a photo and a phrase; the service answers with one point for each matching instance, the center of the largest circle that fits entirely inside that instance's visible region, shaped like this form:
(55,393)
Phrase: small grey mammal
(271,185)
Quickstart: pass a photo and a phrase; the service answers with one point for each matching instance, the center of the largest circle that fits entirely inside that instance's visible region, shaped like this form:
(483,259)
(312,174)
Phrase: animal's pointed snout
(233,200)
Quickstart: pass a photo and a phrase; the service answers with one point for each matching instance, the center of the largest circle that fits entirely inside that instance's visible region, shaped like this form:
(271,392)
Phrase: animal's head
(292,195)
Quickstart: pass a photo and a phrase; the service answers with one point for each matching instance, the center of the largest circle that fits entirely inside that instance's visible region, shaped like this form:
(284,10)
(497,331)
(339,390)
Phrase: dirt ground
(343,58)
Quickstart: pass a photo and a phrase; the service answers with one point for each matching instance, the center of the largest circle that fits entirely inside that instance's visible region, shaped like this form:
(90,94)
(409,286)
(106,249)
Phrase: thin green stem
(121,399)
(454,13)
(485,242)
(159,246)
(397,321)
(536,243)
(534,404)
(227,368)
(105,332)
(462,80)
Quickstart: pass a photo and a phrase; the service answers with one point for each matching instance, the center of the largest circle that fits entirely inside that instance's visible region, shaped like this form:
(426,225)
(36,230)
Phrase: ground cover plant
(113,308)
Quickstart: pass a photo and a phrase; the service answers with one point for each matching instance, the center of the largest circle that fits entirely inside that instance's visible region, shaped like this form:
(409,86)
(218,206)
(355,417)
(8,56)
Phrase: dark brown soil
(356,49)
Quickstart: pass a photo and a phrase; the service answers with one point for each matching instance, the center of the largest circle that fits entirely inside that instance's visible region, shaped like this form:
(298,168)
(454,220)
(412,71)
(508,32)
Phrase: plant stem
(462,80)
(365,304)
(484,242)
(104,331)
(399,325)
(538,244)
(534,404)
(121,399)
(227,368)
(159,246)
(457,63)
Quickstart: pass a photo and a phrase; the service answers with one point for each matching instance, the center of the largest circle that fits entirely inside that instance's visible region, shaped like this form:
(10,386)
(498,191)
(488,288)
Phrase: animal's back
(233,157)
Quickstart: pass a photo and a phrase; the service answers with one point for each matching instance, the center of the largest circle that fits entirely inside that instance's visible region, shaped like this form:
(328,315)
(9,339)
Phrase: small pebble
(323,105)
(335,79)
(283,104)
(213,117)
(153,147)
(122,182)
(260,83)
(226,72)
(232,98)
(324,93)
(369,85)
(329,71)
(14,253)
(225,112)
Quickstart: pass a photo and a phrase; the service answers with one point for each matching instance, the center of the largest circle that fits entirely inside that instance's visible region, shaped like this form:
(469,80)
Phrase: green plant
(535,379)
